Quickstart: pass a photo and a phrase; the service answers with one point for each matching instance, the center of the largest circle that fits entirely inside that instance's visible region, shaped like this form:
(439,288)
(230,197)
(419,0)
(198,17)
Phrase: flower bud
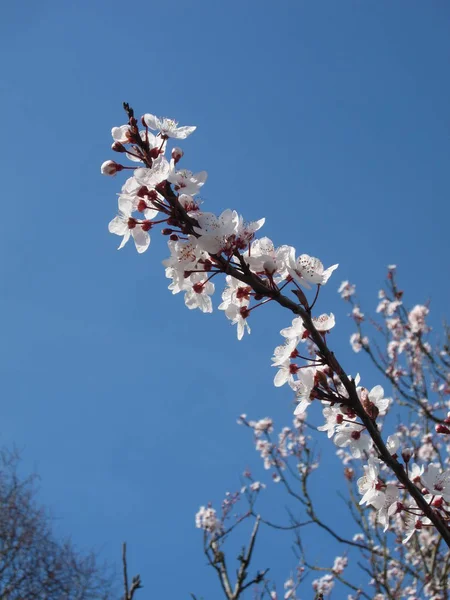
(349,473)
(370,408)
(142,191)
(142,205)
(407,454)
(110,167)
(118,147)
(441,429)
(438,502)
(177,153)
(270,266)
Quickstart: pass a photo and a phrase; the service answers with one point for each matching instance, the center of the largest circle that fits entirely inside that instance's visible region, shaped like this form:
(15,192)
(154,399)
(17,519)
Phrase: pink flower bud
(177,153)
(110,167)
(142,205)
(407,454)
(118,147)
(441,429)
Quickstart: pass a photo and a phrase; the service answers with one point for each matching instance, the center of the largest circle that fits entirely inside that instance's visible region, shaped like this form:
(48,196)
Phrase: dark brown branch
(135,582)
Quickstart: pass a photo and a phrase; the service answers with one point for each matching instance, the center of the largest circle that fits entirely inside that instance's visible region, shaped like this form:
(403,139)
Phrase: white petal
(118,226)
(281,377)
(141,239)
(125,239)
(152,121)
(181,133)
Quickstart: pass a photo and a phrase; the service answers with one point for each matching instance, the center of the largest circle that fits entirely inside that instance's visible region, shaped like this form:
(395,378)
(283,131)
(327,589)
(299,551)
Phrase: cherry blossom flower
(238,316)
(346,290)
(246,232)
(236,293)
(387,307)
(384,504)
(286,372)
(333,418)
(190,204)
(138,198)
(122,134)
(324,584)
(374,403)
(168,127)
(215,231)
(351,435)
(186,181)
(225,233)
(340,563)
(184,254)
(393,443)
(416,318)
(413,524)
(257,486)
(206,519)
(151,177)
(296,330)
(284,352)
(308,270)
(127,227)
(357,315)
(264,258)
(324,322)
(262,426)
(198,292)
(153,145)
(368,484)
(358,343)
(236,298)
(437,482)
(303,387)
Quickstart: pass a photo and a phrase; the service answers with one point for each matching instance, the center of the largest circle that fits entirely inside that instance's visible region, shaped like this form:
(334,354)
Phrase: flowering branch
(202,245)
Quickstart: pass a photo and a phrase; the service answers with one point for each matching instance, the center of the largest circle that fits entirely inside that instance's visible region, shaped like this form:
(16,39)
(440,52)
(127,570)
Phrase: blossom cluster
(203,245)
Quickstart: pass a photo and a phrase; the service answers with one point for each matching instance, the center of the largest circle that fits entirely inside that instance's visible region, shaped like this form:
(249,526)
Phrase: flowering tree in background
(397,472)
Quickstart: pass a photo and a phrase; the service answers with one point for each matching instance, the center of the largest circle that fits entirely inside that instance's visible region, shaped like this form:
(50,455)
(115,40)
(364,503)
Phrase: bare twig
(135,582)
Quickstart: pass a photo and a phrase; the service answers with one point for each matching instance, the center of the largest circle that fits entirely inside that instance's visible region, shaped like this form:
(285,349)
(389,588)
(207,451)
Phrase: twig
(135,582)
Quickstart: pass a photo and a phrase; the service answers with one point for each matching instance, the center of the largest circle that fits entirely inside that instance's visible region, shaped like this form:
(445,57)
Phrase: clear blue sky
(330,119)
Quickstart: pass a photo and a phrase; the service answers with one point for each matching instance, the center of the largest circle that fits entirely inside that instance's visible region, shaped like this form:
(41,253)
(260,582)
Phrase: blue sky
(330,119)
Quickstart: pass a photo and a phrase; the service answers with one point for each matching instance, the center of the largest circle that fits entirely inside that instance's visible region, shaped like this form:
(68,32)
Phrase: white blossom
(198,292)
(127,227)
(351,435)
(308,270)
(187,182)
(436,481)
(168,127)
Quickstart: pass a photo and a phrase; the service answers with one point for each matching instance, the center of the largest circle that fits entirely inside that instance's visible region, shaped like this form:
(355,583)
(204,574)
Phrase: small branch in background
(135,582)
